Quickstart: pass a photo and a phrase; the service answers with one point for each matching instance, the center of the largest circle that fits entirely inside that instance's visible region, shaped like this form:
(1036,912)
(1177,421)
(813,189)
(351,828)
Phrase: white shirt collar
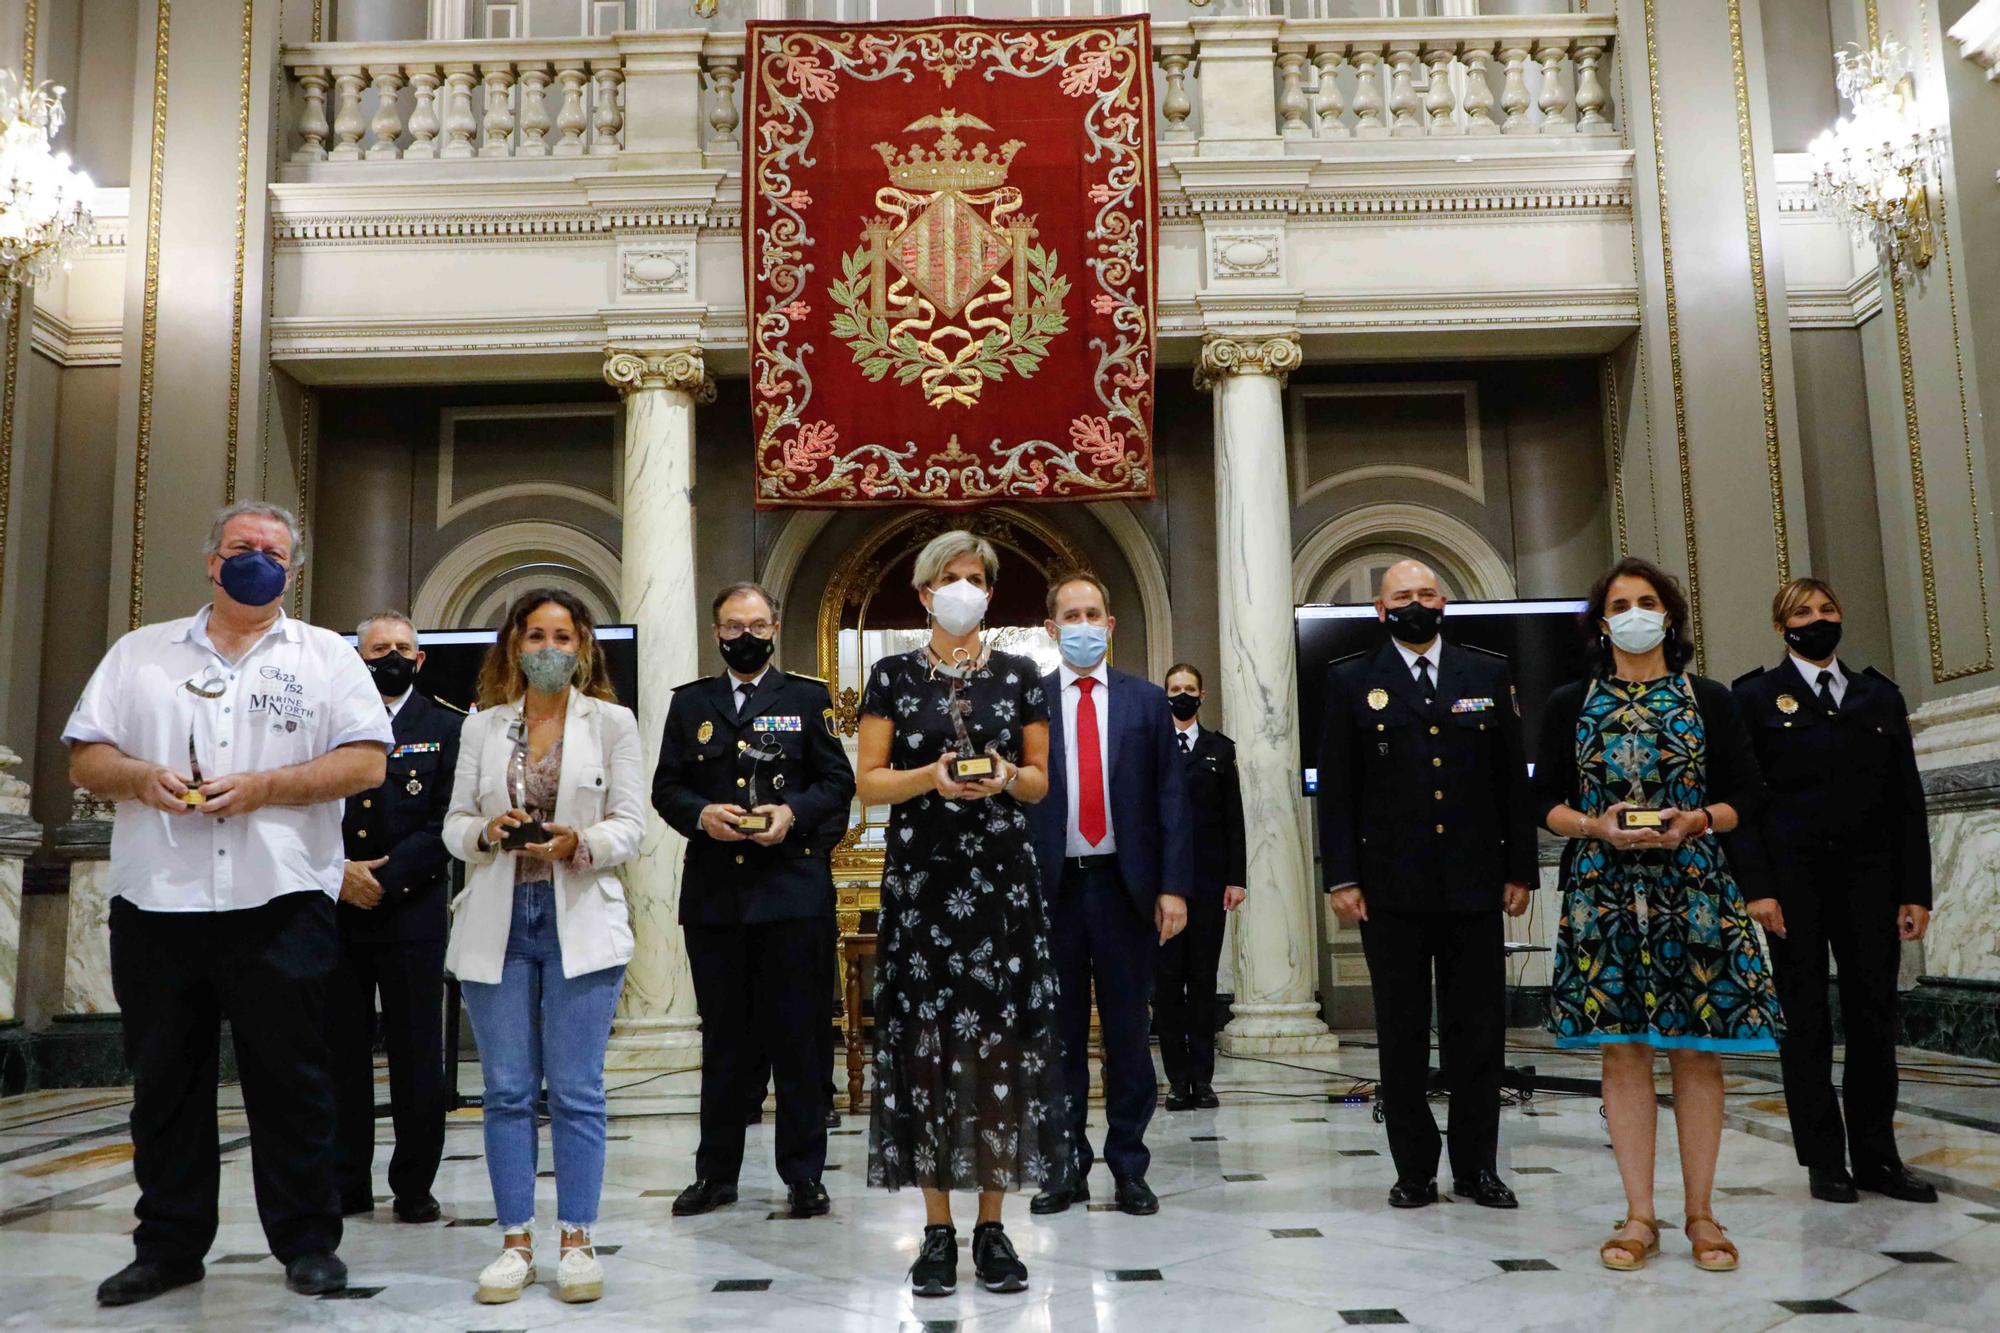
(195,630)
(737,683)
(1193,733)
(1101,673)
(1433,654)
(395,705)
(1811,673)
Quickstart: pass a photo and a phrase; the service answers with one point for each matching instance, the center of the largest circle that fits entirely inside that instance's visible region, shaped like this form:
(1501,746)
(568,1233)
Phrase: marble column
(85,842)
(19,836)
(1274,1011)
(657,1027)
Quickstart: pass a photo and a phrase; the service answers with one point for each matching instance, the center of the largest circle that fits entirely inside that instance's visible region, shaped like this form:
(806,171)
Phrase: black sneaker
(994,1260)
(935,1273)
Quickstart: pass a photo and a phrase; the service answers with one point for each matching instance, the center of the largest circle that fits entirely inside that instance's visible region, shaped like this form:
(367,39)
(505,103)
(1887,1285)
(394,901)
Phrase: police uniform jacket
(1215,804)
(705,760)
(1841,784)
(403,819)
(1427,809)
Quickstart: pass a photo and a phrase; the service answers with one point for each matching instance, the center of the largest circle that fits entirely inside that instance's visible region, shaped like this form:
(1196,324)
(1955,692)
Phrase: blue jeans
(536,1024)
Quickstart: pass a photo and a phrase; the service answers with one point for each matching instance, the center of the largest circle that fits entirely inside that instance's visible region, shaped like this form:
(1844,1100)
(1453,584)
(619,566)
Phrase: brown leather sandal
(1724,1265)
(1630,1255)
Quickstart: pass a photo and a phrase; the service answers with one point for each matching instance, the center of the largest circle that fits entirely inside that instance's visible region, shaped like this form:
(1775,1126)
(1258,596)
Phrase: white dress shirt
(1838,684)
(395,705)
(296,694)
(1193,733)
(1432,654)
(1100,697)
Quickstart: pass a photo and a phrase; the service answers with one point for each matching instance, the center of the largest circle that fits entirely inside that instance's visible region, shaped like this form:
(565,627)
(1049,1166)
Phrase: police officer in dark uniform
(1427,832)
(1184,974)
(391,915)
(752,773)
(1852,856)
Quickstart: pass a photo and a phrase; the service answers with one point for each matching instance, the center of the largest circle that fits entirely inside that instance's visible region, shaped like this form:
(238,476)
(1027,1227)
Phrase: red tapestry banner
(950,237)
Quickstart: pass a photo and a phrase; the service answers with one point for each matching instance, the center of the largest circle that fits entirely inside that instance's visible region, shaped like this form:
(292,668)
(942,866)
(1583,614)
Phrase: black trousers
(409,975)
(177,976)
(1184,993)
(757,988)
(760,1064)
(1097,935)
(1464,950)
(1852,912)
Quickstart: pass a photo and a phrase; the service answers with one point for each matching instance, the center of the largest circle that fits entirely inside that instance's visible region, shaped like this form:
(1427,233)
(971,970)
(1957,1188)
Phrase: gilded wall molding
(1614,439)
(1773,453)
(22,305)
(1221,357)
(149,316)
(236,298)
(30,17)
(679,370)
(308,401)
(1674,362)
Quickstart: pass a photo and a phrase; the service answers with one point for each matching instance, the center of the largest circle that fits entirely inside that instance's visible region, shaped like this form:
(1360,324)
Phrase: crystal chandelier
(1876,169)
(44,202)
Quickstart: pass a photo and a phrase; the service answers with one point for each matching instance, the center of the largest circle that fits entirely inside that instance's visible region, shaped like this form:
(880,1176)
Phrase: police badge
(703,732)
(1787,704)
(1378,698)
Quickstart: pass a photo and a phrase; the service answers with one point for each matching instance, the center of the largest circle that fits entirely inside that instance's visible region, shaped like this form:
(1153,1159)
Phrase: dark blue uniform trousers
(1098,934)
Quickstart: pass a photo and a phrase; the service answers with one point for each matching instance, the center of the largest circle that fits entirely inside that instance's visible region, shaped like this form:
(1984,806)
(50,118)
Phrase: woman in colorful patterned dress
(1656,950)
(966,1049)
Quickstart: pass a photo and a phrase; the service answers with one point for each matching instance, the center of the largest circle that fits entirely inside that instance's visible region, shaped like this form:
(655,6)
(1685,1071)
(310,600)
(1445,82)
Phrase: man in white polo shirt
(229,740)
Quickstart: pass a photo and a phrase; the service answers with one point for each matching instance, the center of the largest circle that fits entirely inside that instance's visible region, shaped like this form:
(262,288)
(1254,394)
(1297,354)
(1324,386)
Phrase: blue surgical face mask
(548,669)
(1083,644)
(253,578)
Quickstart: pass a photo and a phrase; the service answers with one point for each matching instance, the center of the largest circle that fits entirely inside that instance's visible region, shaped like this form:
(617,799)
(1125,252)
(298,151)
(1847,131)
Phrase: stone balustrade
(1335,83)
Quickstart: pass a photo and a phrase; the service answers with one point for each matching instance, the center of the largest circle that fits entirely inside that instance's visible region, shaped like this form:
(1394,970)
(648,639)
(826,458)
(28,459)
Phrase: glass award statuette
(212,685)
(971,765)
(192,795)
(767,752)
(534,831)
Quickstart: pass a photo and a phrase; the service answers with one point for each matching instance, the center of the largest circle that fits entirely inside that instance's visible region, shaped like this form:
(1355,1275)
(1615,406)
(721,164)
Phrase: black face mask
(1184,706)
(1414,623)
(747,653)
(393,673)
(1815,640)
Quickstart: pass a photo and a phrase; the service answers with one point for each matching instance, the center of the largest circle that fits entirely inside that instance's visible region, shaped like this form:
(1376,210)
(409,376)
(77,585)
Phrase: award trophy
(212,685)
(767,752)
(971,765)
(193,796)
(534,831)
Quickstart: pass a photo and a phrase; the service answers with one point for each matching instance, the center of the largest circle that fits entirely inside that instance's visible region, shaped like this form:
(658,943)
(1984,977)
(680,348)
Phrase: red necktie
(1089,767)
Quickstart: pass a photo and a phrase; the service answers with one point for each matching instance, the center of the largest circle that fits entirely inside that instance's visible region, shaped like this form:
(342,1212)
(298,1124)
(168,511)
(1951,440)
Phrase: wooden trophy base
(978,768)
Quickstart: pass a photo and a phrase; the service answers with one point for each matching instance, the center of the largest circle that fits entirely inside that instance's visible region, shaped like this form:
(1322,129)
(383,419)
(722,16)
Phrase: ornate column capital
(630,369)
(1276,356)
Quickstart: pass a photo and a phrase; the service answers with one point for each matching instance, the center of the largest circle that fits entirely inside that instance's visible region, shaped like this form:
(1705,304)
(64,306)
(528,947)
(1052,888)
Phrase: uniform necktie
(1424,685)
(1185,747)
(743,688)
(1826,692)
(1090,821)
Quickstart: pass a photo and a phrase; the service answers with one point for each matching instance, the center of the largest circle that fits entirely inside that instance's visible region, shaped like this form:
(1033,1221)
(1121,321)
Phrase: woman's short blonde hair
(1795,594)
(946,547)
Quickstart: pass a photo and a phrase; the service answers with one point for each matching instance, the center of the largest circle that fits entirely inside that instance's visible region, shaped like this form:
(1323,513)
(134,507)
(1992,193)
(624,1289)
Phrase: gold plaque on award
(973,768)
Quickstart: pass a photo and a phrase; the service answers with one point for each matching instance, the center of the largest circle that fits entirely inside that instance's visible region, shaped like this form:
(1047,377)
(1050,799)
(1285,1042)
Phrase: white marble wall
(657,1026)
(1958,744)
(13,801)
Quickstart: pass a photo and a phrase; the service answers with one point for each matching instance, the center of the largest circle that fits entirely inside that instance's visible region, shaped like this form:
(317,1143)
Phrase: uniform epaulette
(1341,661)
(1872,672)
(690,684)
(1749,675)
(449,706)
(800,675)
(1475,648)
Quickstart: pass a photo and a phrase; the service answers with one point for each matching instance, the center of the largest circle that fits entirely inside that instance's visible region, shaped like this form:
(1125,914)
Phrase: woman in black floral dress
(965,1042)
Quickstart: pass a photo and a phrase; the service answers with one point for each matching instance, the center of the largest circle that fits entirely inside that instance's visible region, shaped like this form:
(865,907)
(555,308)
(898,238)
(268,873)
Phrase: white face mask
(1638,630)
(959,607)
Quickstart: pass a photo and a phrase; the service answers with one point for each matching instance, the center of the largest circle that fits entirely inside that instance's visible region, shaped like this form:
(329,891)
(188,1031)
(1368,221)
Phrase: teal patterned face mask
(548,669)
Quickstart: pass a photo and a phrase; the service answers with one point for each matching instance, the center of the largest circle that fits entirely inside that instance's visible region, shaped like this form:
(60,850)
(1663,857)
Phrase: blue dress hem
(1660,1041)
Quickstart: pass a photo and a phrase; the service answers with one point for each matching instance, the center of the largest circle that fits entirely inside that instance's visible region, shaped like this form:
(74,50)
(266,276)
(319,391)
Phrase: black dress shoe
(1205,1098)
(316,1274)
(1898,1182)
(935,1273)
(1180,1098)
(1058,1198)
(141,1281)
(1832,1185)
(832,1118)
(704,1195)
(994,1261)
(1413,1193)
(354,1205)
(809,1199)
(421,1209)
(1136,1197)
(1485,1189)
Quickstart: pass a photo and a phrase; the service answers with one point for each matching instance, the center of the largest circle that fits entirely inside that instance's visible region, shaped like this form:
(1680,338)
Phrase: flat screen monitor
(452,658)
(1539,638)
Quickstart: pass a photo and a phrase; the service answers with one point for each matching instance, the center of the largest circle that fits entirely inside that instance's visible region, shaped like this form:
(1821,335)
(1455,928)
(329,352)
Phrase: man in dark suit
(752,773)
(1112,840)
(1184,992)
(1426,834)
(393,897)
(1848,841)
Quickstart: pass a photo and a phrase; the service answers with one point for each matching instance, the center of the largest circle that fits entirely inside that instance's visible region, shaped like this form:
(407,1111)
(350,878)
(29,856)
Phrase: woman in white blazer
(540,935)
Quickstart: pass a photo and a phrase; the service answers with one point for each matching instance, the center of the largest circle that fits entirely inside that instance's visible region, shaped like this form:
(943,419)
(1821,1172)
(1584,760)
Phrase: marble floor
(1272,1219)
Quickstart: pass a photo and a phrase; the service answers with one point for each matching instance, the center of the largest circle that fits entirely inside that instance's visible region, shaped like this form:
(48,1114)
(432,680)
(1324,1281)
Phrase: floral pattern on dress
(1654,947)
(966,1050)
